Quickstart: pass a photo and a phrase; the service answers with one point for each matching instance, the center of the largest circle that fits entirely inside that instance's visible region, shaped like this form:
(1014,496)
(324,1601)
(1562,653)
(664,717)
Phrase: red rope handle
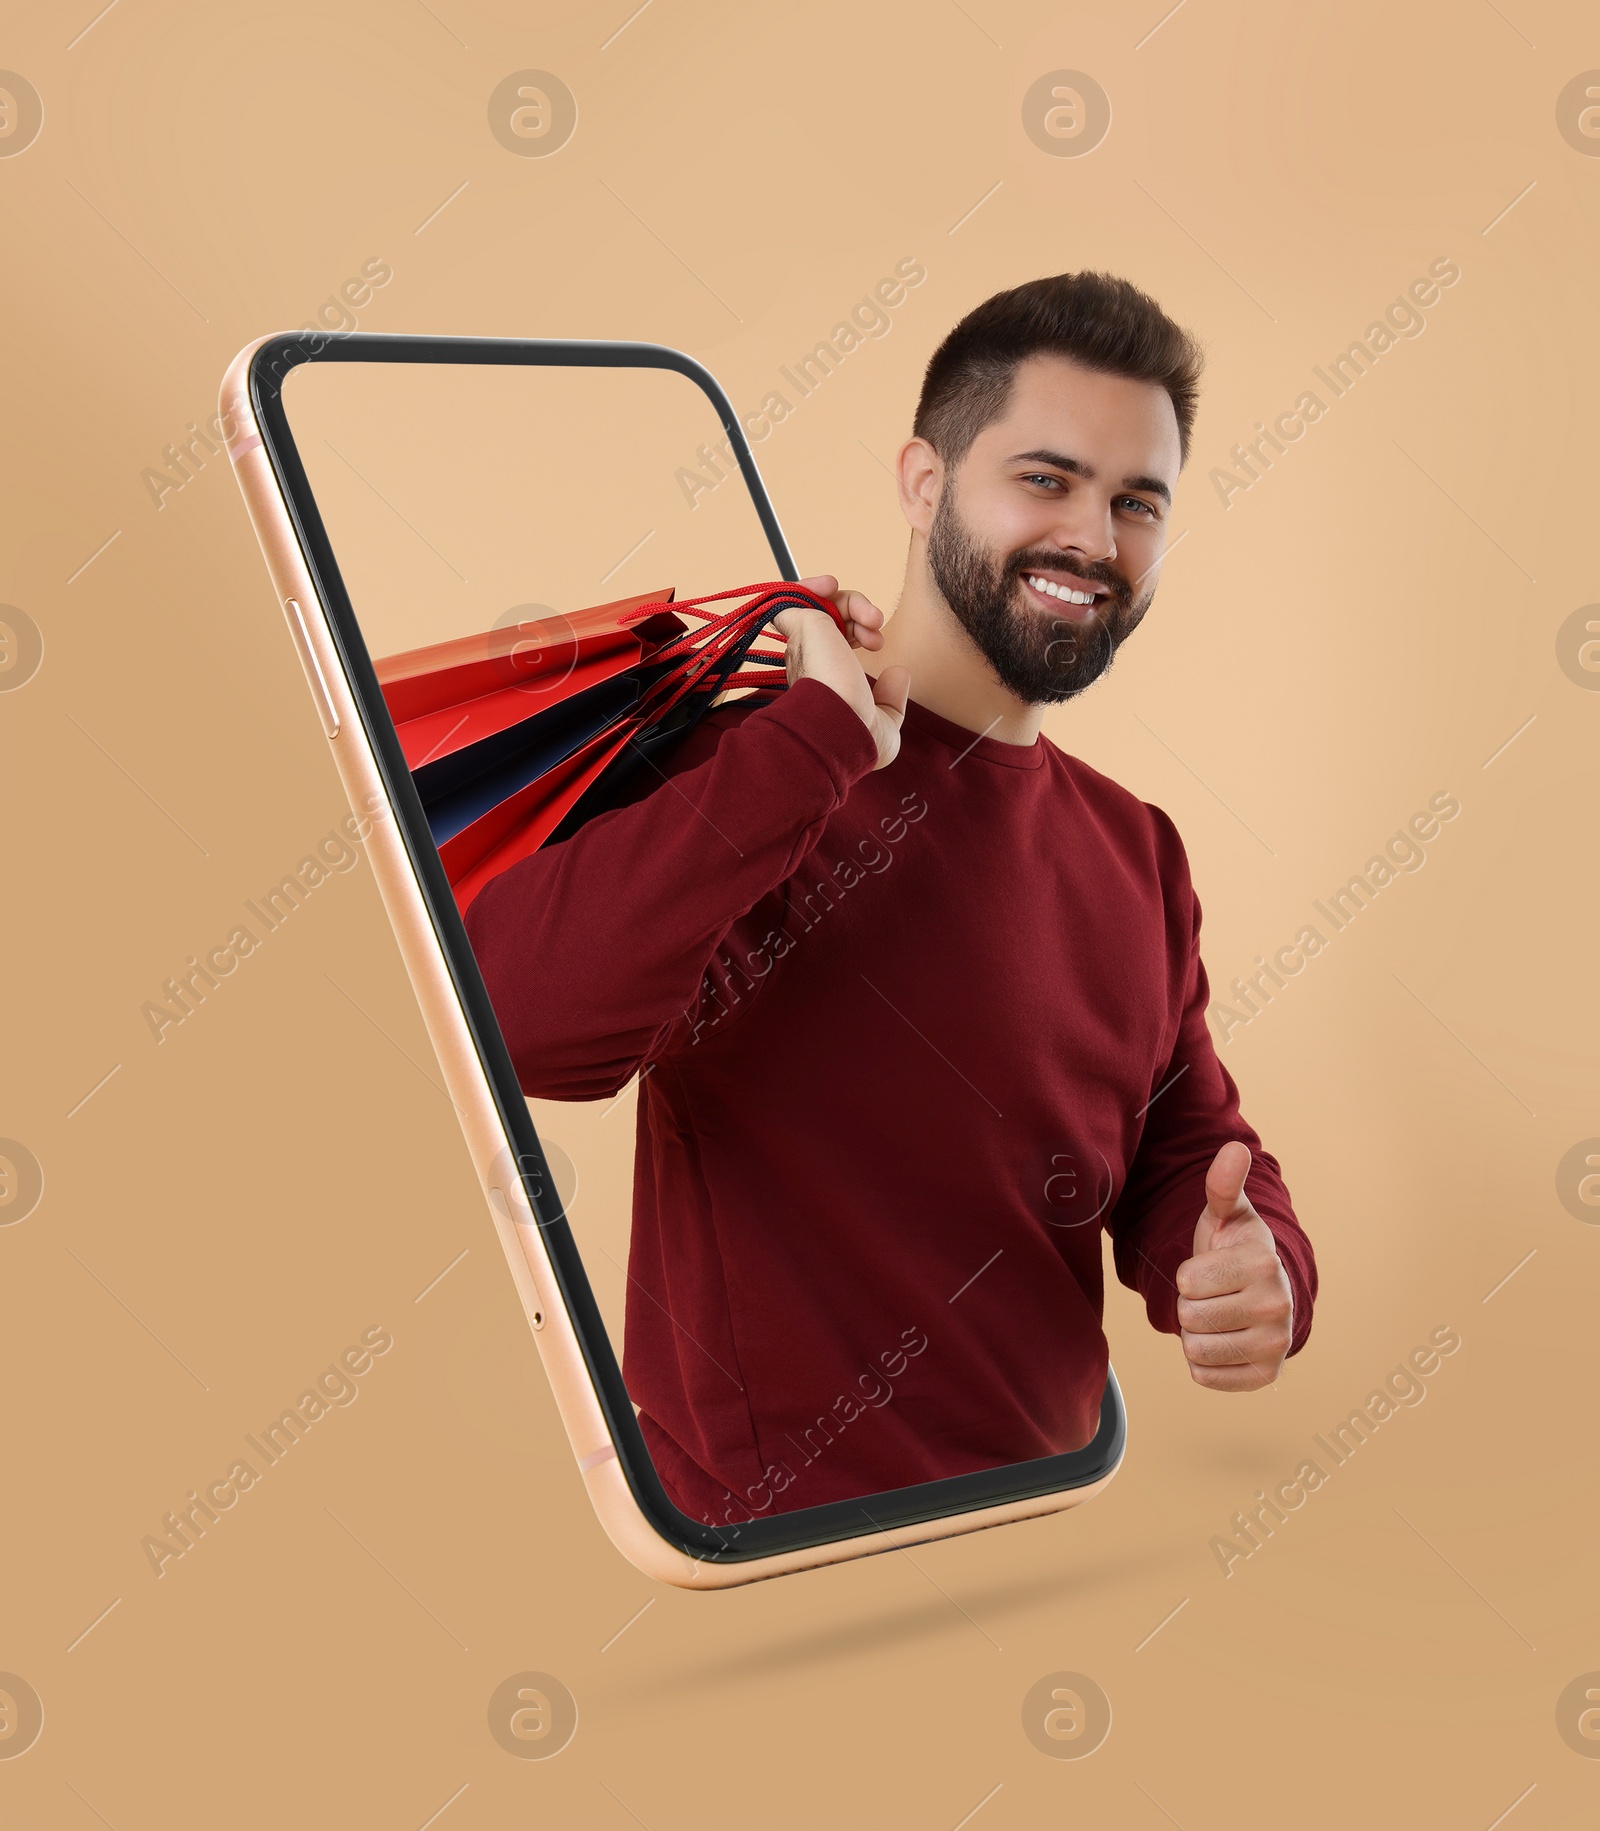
(757,594)
(703,648)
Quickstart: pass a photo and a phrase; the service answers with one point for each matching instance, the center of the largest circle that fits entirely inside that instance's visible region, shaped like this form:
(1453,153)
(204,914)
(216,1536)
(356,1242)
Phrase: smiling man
(915,995)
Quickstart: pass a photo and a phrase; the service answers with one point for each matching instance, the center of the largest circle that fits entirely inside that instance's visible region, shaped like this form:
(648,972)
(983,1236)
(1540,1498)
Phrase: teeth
(1066,595)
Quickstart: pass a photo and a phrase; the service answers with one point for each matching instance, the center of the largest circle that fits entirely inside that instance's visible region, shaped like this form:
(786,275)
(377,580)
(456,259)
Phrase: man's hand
(819,650)
(1235,1308)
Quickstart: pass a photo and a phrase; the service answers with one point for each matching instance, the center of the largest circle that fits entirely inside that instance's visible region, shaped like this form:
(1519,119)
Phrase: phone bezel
(804,1529)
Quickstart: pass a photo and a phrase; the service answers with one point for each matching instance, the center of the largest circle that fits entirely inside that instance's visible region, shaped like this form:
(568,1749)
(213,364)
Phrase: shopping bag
(480,716)
(452,695)
(612,689)
(464,785)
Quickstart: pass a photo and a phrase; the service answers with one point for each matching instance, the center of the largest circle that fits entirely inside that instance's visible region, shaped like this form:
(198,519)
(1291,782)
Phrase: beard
(1043,660)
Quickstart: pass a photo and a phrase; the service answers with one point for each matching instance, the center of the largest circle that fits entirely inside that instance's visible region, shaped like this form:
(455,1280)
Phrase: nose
(1084,527)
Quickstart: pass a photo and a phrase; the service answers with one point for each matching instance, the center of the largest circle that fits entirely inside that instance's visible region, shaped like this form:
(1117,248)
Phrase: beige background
(1373,621)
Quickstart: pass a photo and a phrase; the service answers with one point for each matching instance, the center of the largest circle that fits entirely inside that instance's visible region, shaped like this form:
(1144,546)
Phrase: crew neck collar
(974,746)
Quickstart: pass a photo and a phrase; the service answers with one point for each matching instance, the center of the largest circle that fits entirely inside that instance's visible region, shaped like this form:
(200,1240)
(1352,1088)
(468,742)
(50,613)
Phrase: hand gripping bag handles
(516,736)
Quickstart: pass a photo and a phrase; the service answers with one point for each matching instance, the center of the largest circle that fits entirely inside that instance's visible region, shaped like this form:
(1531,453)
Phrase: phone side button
(313,667)
(497,1201)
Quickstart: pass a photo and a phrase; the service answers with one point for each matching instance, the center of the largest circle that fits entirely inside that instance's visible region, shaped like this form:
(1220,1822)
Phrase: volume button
(313,667)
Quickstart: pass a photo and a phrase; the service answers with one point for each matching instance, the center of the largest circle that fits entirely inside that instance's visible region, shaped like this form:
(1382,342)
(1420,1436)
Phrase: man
(915,997)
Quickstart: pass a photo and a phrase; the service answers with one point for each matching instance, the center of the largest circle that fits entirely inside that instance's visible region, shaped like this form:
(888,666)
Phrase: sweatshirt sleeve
(593,950)
(1193,1112)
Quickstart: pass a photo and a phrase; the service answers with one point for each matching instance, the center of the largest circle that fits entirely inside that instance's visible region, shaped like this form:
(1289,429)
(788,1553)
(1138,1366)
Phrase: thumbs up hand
(1235,1308)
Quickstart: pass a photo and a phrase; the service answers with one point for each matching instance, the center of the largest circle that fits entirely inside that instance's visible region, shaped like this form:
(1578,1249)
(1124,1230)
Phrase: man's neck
(948,673)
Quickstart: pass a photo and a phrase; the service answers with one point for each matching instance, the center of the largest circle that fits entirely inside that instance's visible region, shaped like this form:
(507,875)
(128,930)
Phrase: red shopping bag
(448,696)
(508,755)
(481,716)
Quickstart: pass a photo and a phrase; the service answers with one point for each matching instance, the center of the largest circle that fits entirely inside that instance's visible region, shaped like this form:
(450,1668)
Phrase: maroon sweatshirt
(909,1039)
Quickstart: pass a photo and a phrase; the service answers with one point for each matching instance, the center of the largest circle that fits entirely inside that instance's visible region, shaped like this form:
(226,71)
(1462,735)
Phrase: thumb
(890,690)
(1225,1197)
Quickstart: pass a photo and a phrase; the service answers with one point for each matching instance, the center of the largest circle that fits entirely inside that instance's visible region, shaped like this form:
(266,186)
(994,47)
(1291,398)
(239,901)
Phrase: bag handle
(708,657)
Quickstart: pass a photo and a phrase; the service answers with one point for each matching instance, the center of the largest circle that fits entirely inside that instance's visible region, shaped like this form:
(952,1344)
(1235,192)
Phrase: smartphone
(411,492)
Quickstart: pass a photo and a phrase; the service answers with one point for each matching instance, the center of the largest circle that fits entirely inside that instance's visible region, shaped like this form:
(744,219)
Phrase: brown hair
(1095,319)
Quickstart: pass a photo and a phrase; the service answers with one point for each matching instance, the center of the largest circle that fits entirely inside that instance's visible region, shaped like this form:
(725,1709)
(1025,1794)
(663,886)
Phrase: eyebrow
(1077,468)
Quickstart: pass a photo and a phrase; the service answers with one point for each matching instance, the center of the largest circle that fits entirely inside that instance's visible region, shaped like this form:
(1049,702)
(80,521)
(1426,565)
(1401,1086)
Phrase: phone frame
(573,1343)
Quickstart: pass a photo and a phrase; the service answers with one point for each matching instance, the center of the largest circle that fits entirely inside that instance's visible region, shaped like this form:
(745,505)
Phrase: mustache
(1095,571)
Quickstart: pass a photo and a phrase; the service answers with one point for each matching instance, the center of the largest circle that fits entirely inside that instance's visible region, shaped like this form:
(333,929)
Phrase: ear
(919,475)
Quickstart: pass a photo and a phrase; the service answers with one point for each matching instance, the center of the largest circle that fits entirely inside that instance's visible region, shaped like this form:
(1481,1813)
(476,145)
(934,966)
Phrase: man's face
(1068,492)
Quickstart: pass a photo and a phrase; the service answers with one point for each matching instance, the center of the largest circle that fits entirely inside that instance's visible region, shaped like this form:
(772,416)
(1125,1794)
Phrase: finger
(1225,1180)
(857,607)
(1233,1379)
(1227,1208)
(863,620)
(891,690)
(822,585)
(1216,1274)
(792,623)
(1218,1315)
(1263,1348)
(1259,1350)
(860,619)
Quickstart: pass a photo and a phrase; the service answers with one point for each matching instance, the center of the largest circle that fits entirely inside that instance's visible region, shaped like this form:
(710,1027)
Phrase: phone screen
(480,524)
